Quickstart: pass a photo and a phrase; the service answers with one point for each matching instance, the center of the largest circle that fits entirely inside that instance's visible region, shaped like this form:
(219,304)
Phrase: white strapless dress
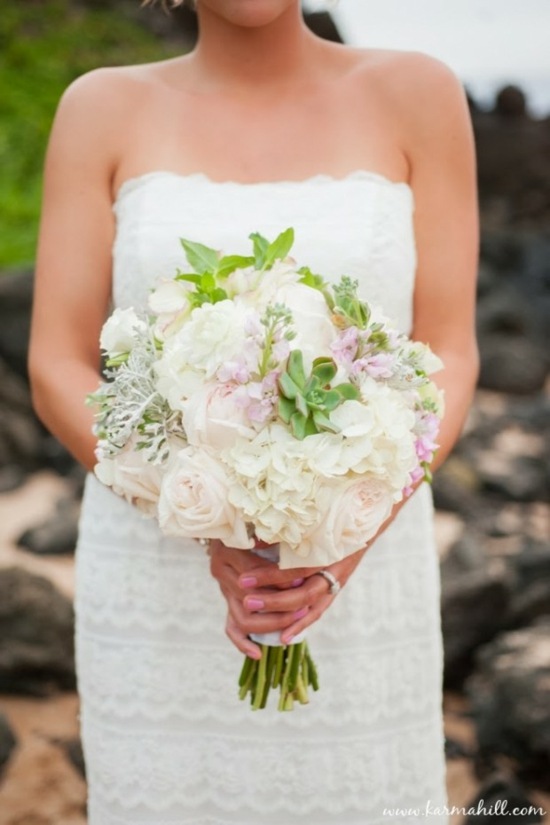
(166,740)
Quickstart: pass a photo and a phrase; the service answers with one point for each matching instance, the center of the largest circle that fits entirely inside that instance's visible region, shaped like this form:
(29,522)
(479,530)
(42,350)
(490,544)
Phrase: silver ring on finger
(334,584)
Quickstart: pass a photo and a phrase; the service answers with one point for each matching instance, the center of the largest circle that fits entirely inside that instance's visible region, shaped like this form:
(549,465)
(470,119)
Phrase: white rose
(132,477)
(194,501)
(170,303)
(260,289)
(120,331)
(214,418)
(311,322)
(351,512)
(176,381)
(214,333)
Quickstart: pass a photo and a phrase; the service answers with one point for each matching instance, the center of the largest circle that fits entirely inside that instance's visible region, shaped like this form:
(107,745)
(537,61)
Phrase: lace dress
(166,740)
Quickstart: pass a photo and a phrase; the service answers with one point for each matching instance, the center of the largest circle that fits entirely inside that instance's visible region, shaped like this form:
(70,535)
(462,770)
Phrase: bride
(369,155)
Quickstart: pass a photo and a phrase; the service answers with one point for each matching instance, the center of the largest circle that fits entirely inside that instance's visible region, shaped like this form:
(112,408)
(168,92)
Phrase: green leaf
(230,263)
(347,391)
(218,294)
(311,279)
(302,426)
(286,409)
(279,249)
(208,282)
(260,246)
(312,385)
(200,257)
(298,425)
(295,367)
(324,369)
(288,387)
(322,422)
(192,277)
(118,360)
(332,400)
(301,405)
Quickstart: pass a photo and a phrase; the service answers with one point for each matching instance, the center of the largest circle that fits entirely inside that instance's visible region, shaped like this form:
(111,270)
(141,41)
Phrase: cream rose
(213,417)
(351,512)
(194,501)
(132,477)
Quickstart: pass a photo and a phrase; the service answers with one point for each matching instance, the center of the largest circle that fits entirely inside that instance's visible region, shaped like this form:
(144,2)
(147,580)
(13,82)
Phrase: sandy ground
(40,786)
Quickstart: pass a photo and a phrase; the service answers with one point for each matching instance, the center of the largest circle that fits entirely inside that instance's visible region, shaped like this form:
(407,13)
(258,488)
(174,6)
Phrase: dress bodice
(360,225)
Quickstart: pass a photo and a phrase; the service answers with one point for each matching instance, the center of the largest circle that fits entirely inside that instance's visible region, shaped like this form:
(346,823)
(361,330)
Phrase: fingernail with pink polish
(255,604)
(297,582)
(287,640)
(249,581)
(303,611)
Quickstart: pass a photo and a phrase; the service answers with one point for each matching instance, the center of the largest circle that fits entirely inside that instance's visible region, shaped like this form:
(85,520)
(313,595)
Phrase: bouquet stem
(289,668)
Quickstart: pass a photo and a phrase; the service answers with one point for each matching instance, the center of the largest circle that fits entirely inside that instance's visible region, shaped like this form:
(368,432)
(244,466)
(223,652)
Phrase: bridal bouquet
(255,402)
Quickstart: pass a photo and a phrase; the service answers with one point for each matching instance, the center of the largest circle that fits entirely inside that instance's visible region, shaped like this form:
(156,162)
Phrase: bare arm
(73,273)
(442,161)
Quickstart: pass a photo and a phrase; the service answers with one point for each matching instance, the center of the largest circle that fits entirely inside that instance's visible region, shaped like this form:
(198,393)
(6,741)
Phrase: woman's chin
(249,13)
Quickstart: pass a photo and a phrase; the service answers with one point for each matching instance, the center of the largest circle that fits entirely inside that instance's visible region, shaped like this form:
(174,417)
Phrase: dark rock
(21,436)
(7,741)
(456,750)
(487,279)
(512,364)
(456,486)
(57,535)
(322,24)
(510,699)
(472,608)
(15,319)
(36,635)
(531,596)
(511,102)
(466,555)
(11,477)
(498,797)
(514,285)
(504,311)
(522,479)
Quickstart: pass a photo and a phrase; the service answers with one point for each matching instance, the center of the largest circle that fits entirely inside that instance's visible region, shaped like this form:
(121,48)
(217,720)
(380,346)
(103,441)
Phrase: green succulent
(306,402)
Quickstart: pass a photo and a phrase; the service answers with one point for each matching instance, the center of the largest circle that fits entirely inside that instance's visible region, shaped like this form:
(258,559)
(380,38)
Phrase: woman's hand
(262,598)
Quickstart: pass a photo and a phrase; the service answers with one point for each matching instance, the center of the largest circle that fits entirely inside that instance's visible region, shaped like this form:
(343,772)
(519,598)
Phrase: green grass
(44,45)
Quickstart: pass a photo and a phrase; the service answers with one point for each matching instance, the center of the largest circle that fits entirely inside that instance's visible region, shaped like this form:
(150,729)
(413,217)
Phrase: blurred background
(492,495)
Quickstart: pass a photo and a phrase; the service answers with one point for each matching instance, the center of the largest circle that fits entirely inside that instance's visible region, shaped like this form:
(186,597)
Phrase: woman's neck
(245,58)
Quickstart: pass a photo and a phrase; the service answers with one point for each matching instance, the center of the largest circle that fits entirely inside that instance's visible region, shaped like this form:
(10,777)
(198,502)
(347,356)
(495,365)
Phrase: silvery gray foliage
(129,403)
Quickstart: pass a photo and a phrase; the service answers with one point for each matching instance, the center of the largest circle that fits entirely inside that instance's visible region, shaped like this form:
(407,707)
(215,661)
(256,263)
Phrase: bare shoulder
(97,113)
(412,81)
(425,100)
(107,91)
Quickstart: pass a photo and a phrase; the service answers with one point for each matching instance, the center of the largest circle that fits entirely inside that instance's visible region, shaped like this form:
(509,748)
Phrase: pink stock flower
(344,349)
(425,447)
(414,476)
(258,398)
(233,371)
(380,365)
